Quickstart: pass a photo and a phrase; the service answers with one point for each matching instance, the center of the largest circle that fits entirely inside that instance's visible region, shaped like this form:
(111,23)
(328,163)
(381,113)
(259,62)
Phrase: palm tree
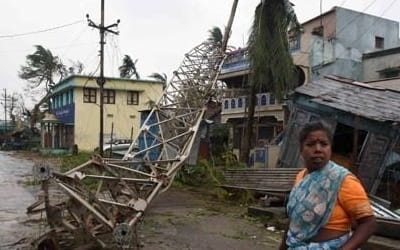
(161,77)
(41,68)
(215,35)
(77,67)
(128,68)
(270,62)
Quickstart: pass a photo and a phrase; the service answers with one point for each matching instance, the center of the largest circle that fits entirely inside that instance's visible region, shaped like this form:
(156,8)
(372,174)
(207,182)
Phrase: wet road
(15,197)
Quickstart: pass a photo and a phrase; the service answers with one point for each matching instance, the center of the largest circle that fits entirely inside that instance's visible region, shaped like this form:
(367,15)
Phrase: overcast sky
(156,32)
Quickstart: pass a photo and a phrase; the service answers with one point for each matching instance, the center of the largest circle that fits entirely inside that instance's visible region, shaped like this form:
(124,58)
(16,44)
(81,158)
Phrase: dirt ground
(187,218)
(184,219)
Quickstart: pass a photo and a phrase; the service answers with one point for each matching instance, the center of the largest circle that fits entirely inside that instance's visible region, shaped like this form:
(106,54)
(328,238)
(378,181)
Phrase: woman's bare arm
(365,228)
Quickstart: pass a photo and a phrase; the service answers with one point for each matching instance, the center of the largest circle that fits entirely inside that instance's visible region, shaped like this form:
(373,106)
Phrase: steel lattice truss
(105,213)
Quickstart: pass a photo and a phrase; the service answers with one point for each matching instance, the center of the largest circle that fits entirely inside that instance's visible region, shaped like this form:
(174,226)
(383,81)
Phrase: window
(294,42)
(240,103)
(67,98)
(233,103)
(71,96)
(58,104)
(263,100)
(89,95)
(379,42)
(109,96)
(226,104)
(133,98)
(272,99)
(389,73)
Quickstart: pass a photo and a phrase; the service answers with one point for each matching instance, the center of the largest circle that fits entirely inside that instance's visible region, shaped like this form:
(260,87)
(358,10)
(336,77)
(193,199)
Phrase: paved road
(15,197)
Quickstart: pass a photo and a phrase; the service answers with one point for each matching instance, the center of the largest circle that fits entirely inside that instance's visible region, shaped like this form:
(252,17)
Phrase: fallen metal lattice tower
(106,212)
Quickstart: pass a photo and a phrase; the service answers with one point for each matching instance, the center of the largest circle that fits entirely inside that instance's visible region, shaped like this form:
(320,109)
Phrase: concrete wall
(323,51)
(347,35)
(355,35)
(303,56)
(341,67)
(124,117)
(372,66)
(357,30)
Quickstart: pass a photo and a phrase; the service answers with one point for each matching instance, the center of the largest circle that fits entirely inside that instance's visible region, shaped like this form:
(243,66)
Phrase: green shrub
(68,162)
(204,173)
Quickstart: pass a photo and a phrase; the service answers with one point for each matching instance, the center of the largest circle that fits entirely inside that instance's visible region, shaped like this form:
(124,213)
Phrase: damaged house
(366,131)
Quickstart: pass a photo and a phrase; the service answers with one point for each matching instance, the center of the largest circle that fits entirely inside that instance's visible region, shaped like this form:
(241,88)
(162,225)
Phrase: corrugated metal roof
(354,97)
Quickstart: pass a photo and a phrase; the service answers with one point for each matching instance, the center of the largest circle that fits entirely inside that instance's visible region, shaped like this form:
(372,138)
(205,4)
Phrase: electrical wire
(40,31)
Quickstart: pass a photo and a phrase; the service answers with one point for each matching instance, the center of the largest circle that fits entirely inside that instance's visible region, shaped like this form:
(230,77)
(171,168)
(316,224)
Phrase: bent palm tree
(128,68)
(271,66)
(41,69)
(161,77)
(215,35)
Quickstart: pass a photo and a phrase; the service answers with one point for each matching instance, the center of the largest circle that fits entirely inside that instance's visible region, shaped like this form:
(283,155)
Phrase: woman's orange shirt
(352,203)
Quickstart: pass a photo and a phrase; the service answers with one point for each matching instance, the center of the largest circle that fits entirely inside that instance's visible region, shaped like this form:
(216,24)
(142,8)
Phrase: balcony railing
(238,104)
(237,60)
(234,92)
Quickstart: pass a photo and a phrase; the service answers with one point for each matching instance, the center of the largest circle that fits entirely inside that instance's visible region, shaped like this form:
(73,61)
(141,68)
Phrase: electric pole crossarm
(101,80)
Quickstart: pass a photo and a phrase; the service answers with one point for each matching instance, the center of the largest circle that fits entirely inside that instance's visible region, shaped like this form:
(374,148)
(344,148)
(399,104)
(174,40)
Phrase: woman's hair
(315,126)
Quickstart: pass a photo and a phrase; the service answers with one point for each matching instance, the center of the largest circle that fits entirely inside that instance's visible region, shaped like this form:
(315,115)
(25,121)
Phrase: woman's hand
(366,227)
(284,236)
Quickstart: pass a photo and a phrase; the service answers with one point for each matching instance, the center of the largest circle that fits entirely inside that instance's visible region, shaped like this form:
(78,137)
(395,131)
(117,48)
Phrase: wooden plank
(388,228)
(266,181)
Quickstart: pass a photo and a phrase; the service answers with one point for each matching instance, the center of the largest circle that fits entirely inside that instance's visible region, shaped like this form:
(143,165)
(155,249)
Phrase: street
(15,226)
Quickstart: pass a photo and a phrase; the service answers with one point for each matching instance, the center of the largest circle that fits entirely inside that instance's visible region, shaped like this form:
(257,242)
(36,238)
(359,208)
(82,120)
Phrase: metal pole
(111,140)
(5,110)
(101,80)
(131,132)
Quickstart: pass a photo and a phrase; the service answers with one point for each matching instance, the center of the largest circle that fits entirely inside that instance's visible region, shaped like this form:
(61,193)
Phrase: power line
(40,31)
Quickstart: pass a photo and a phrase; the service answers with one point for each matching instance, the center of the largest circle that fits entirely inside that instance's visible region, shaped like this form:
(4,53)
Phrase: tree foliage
(76,68)
(215,35)
(41,68)
(128,68)
(270,61)
(162,77)
(42,71)
(271,65)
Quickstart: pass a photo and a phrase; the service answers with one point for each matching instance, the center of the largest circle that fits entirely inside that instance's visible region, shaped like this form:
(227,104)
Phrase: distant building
(384,64)
(334,42)
(75,117)
(268,114)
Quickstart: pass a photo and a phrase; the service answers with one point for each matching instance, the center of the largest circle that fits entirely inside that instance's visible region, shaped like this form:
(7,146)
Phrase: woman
(325,199)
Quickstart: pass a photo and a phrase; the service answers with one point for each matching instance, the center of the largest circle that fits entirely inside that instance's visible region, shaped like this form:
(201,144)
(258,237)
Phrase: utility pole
(101,80)
(4,99)
(5,110)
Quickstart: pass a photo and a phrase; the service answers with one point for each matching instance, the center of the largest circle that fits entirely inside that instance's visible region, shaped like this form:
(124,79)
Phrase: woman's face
(316,150)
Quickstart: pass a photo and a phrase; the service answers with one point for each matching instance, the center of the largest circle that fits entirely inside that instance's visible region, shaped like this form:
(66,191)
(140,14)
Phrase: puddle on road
(15,225)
